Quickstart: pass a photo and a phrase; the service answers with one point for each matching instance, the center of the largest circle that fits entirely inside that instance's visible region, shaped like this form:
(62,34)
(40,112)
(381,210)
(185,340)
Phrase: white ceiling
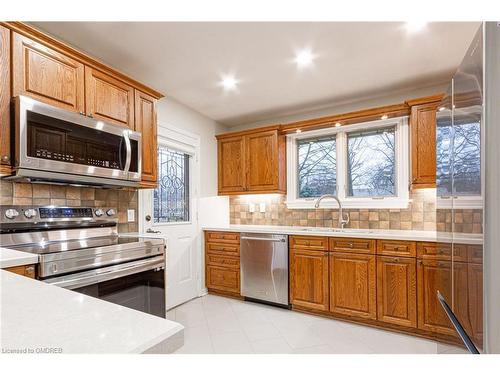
(354,59)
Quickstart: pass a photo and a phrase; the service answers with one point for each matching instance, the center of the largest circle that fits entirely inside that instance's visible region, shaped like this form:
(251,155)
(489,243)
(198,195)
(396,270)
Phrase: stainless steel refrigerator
(466,278)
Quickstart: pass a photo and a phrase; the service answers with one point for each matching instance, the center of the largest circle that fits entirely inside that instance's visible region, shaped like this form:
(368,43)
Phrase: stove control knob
(111,212)
(30,213)
(99,212)
(11,213)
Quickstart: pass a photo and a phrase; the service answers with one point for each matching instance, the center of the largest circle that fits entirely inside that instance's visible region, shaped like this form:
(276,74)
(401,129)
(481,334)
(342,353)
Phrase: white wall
(173,113)
(349,106)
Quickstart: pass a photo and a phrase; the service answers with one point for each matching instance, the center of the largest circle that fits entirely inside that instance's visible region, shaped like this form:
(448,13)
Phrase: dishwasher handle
(264,239)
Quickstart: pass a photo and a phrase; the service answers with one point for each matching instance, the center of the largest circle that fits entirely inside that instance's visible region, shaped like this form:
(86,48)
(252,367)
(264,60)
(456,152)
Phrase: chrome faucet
(342,221)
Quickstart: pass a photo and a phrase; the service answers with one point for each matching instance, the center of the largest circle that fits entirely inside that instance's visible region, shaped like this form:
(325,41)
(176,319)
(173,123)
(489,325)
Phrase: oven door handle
(129,151)
(82,279)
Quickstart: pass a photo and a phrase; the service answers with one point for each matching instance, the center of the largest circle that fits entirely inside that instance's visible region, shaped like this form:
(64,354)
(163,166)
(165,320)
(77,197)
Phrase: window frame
(402,198)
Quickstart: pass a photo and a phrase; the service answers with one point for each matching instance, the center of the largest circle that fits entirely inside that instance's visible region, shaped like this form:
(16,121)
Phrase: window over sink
(366,165)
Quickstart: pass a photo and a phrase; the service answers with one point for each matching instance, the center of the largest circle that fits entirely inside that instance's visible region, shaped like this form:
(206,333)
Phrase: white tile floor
(220,325)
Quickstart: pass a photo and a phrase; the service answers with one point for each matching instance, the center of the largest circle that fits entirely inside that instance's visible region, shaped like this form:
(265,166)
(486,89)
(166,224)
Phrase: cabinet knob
(90,115)
(5,158)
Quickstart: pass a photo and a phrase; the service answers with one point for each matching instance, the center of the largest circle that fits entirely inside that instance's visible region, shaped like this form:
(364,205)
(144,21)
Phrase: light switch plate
(131,215)
(251,207)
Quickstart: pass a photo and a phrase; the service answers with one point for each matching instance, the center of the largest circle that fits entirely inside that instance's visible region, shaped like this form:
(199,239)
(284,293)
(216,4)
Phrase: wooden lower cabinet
(27,270)
(222,262)
(309,279)
(433,275)
(353,285)
(397,291)
(475,299)
(223,279)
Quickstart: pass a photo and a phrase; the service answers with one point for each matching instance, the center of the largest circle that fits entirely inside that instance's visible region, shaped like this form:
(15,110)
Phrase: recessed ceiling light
(229,82)
(384,117)
(304,58)
(337,124)
(414,26)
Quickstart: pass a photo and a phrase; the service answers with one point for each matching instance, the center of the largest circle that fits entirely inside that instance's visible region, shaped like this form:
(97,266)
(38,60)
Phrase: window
(317,167)
(365,165)
(458,163)
(171,197)
(371,163)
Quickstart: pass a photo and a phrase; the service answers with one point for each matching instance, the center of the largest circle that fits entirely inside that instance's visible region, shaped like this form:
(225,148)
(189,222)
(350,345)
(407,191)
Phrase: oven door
(57,140)
(139,285)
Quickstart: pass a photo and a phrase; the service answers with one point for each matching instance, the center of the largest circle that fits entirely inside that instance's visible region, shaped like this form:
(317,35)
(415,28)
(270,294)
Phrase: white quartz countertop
(387,234)
(36,315)
(12,258)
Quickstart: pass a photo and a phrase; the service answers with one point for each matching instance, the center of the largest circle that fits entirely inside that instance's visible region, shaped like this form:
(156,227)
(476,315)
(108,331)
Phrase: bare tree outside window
(371,169)
(317,167)
(459,156)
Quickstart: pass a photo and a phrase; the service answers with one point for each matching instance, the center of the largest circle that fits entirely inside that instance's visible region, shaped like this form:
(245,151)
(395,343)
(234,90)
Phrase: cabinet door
(231,164)
(475,294)
(262,161)
(423,145)
(432,276)
(397,291)
(353,285)
(28,271)
(5,152)
(46,75)
(145,123)
(108,99)
(224,279)
(309,279)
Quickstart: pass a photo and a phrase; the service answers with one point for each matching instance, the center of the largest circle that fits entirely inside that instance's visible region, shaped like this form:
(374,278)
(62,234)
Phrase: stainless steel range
(80,249)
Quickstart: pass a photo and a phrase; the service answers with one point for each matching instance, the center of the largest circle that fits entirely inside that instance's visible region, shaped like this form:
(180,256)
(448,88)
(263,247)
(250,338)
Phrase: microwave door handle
(129,151)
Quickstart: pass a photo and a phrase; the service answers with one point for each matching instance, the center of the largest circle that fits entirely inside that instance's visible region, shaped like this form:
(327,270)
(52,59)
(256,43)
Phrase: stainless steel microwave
(56,145)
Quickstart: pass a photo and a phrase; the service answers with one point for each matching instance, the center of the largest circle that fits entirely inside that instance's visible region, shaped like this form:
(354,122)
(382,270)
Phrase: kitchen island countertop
(37,316)
(12,258)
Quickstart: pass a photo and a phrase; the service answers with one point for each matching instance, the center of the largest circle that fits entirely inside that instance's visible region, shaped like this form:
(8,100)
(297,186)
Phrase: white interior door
(172,210)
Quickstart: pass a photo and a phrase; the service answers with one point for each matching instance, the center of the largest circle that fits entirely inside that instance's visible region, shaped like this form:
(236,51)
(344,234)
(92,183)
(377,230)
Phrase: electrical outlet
(131,215)
(262,207)
(251,207)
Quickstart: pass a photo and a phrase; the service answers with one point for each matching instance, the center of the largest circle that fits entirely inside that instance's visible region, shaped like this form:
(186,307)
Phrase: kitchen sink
(335,230)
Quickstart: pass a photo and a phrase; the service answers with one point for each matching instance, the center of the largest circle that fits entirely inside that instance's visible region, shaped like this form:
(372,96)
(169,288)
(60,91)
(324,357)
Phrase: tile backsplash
(59,195)
(420,215)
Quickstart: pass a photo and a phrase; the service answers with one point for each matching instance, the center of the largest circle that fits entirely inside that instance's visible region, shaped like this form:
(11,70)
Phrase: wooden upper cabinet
(353,289)
(5,151)
(46,75)
(397,291)
(252,162)
(108,98)
(423,144)
(309,279)
(145,123)
(231,165)
(262,161)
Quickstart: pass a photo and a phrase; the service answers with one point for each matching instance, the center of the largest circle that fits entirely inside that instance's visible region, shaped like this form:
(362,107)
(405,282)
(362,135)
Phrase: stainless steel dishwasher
(264,267)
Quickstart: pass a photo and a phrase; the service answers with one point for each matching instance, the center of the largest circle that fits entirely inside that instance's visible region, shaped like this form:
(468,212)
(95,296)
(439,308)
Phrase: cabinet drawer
(222,261)
(353,245)
(309,242)
(224,279)
(225,237)
(441,251)
(223,249)
(475,253)
(396,248)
